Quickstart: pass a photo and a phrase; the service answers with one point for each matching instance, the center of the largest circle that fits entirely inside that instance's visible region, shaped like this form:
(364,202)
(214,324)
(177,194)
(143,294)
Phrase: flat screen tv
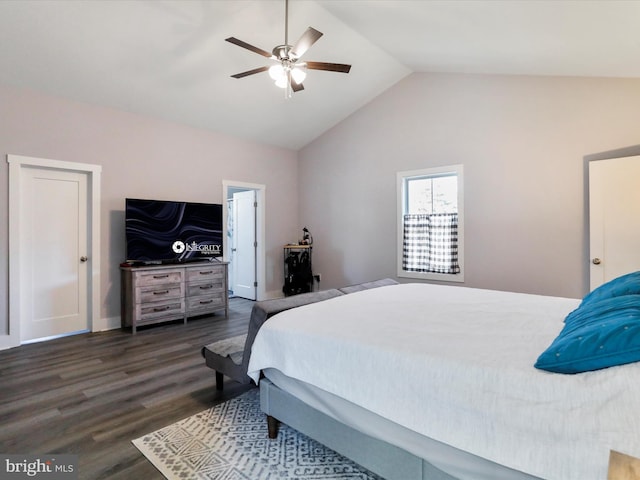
(159,231)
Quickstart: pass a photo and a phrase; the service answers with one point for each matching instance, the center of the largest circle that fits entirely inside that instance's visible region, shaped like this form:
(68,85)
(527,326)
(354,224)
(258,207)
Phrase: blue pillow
(596,335)
(628,284)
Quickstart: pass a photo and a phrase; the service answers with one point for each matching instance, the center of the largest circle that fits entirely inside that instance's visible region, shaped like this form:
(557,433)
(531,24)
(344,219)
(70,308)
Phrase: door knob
(83,259)
(596,261)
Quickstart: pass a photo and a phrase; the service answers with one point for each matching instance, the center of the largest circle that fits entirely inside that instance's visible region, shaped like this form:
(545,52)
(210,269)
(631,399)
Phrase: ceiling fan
(289,72)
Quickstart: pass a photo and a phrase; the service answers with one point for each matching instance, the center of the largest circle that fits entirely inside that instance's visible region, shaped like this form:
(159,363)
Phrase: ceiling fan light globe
(276,72)
(298,75)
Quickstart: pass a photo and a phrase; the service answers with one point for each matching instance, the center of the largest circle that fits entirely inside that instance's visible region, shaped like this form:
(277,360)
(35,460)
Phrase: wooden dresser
(159,293)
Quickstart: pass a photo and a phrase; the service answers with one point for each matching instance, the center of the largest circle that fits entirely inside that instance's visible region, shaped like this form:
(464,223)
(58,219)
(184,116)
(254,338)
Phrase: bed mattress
(455,364)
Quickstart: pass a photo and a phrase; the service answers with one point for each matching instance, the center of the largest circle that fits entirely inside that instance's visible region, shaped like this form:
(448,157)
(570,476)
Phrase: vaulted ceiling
(168,58)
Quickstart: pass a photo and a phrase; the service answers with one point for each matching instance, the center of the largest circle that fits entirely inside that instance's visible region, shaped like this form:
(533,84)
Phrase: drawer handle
(161,276)
(206,273)
(205,302)
(161,309)
(206,287)
(162,292)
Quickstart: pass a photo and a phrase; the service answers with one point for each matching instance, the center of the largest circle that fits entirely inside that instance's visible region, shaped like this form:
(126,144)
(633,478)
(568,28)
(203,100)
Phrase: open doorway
(244,233)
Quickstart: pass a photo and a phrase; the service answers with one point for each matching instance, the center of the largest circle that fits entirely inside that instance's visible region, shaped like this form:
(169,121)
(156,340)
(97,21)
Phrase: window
(430,224)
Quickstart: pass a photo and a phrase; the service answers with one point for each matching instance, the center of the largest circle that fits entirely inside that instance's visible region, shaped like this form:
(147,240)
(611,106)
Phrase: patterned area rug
(229,442)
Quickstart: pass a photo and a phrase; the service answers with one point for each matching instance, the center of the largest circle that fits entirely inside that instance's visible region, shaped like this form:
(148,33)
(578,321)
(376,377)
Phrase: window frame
(401,181)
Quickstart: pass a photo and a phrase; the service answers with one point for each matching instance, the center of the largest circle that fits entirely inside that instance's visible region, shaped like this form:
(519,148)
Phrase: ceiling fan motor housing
(281,52)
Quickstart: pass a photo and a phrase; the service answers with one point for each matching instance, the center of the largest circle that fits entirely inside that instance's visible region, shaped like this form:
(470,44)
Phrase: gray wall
(522,141)
(145,158)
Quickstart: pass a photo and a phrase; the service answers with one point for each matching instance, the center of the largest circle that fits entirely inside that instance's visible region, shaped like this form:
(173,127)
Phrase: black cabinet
(298,269)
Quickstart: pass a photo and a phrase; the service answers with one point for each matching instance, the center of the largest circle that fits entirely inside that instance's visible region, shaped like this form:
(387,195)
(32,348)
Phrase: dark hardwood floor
(91,394)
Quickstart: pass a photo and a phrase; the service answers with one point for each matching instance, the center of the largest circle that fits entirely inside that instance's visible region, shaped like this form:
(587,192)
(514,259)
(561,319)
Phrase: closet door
(54,241)
(614,218)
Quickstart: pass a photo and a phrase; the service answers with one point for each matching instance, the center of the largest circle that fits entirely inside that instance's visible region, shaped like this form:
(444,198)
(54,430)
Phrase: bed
(440,381)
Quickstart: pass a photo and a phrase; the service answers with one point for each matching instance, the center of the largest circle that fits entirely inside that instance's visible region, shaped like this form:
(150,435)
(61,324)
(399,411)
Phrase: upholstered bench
(230,357)
(226,356)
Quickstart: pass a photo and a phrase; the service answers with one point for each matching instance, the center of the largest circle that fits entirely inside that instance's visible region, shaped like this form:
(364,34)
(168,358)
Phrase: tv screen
(160,231)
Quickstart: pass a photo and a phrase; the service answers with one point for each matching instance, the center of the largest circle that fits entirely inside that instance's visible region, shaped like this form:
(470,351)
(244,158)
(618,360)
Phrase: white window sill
(439,277)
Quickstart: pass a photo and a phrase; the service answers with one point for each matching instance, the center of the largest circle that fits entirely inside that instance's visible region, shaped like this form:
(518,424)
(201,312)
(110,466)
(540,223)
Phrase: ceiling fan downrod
(286,63)
(286,24)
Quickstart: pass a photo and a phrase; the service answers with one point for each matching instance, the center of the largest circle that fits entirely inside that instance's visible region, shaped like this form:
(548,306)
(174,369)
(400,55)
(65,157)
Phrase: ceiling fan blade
(307,39)
(250,72)
(242,44)
(330,67)
(296,87)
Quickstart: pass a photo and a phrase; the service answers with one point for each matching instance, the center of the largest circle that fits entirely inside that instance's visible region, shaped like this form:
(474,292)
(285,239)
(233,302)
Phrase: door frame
(630,151)
(16,165)
(607,179)
(260,230)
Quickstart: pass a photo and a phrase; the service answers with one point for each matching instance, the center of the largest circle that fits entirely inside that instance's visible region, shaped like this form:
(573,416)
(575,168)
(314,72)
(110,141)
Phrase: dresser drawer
(205,273)
(159,292)
(150,312)
(143,279)
(205,303)
(206,288)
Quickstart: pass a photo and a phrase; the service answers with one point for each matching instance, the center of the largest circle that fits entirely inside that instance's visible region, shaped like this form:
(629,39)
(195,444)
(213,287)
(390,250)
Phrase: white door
(244,244)
(54,249)
(614,218)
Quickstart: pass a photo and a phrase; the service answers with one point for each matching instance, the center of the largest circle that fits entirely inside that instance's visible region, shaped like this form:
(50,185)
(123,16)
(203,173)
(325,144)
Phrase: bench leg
(272,426)
(219,380)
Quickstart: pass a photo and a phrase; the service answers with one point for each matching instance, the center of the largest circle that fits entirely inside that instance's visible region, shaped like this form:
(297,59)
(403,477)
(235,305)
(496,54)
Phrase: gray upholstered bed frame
(384,459)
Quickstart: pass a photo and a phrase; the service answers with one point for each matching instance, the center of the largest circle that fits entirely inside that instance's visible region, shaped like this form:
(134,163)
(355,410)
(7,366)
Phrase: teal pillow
(628,284)
(606,307)
(596,335)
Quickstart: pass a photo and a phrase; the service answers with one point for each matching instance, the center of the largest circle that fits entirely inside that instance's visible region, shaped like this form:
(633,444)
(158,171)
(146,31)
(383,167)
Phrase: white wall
(522,141)
(142,157)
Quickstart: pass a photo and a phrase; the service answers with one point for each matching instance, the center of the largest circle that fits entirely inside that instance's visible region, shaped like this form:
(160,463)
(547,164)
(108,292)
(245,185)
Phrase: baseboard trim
(104,324)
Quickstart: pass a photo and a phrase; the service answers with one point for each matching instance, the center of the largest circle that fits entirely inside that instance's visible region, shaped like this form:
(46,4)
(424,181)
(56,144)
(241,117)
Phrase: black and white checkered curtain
(431,243)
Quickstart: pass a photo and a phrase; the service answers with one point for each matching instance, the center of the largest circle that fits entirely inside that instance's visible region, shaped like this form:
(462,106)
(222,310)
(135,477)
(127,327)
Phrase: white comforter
(456,364)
